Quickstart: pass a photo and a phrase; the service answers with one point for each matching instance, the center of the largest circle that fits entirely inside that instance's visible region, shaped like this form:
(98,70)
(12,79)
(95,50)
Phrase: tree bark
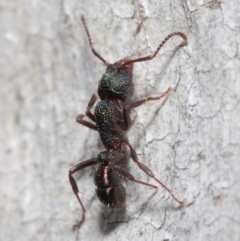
(191,141)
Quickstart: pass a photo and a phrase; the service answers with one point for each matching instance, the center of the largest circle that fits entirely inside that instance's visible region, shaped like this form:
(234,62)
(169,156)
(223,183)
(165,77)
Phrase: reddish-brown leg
(127,108)
(80,120)
(149,172)
(90,106)
(129,176)
(89,114)
(73,183)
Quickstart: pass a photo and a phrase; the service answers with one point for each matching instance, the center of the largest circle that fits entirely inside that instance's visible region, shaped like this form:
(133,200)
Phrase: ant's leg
(129,175)
(73,183)
(149,172)
(89,114)
(127,108)
(90,105)
(88,124)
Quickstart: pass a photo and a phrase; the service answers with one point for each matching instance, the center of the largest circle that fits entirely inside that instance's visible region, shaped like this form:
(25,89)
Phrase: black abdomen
(113,197)
(109,189)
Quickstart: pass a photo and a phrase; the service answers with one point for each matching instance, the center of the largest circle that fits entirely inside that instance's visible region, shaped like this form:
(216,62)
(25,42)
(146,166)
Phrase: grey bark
(191,142)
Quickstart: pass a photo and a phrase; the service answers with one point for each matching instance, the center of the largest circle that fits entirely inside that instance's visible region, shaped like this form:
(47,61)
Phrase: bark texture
(191,142)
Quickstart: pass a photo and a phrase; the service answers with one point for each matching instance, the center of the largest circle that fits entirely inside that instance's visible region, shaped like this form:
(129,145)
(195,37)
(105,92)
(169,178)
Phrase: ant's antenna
(149,57)
(90,42)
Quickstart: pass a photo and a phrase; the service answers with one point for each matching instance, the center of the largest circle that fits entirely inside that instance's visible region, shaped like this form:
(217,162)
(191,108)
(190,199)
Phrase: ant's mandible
(111,119)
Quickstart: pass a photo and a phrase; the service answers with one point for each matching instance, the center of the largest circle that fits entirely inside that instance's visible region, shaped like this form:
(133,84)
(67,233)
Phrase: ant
(111,119)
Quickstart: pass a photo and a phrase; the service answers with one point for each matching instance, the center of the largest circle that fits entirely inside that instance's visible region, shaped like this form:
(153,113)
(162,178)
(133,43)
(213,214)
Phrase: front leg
(127,108)
(89,114)
(90,105)
(80,120)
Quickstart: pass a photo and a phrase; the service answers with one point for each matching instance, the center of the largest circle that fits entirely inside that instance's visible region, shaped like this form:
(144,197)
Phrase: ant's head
(116,81)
